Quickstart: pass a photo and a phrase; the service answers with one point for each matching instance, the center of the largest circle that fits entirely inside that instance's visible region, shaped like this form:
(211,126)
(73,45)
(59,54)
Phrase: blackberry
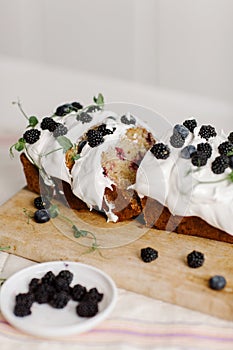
(60,130)
(59,300)
(230,137)
(195,259)
(225,147)
(93,295)
(187,151)
(177,140)
(76,106)
(84,117)
(31,136)
(44,293)
(199,159)
(128,119)
(61,284)
(62,110)
(87,309)
(231,162)
(48,124)
(41,216)
(41,203)
(205,148)
(25,299)
(34,283)
(148,254)
(94,138)
(104,131)
(66,275)
(48,278)
(160,151)
(78,292)
(190,124)
(217,282)
(21,310)
(220,164)
(207,131)
(182,130)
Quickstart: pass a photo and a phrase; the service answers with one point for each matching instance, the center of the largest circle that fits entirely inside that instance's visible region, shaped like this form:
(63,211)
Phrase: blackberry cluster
(148,254)
(104,130)
(207,131)
(48,123)
(160,151)
(205,148)
(176,140)
(128,119)
(225,147)
(220,164)
(195,259)
(190,124)
(199,159)
(84,117)
(56,290)
(31,136)
(94,138)
(60,130)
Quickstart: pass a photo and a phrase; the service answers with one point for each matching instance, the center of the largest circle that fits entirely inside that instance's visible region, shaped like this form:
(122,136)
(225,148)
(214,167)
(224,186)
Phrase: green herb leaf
(18,146)
(230,176)
(76,157)
(33,121)
(230,153)
(53,211)
(79,233)
(64,142)
(99,100)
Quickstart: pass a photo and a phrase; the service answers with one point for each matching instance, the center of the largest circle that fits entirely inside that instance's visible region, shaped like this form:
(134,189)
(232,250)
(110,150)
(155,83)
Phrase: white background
(184,45)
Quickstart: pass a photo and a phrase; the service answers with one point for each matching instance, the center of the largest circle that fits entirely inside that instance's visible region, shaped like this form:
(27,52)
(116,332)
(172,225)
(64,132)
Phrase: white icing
(185,189)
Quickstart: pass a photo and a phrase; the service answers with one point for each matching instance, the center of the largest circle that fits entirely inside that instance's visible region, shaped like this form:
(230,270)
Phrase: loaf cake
(115,164)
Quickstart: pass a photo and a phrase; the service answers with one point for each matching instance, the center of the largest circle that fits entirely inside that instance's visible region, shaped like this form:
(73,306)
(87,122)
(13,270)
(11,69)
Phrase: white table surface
(137,322)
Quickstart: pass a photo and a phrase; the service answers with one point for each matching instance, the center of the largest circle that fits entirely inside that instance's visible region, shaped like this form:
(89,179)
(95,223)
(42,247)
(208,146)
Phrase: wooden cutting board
(168,278)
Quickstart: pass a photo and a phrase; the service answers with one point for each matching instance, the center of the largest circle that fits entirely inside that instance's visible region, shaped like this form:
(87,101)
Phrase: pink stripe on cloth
(133,332)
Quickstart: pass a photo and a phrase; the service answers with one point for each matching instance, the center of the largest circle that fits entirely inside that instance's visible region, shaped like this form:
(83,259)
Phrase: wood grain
(168,278)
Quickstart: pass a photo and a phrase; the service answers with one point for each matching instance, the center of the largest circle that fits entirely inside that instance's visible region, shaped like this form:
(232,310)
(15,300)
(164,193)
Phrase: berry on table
(220,164)
(195,259)
(207,131)
(148,254)
(190,124)
(160,151)
(217,282)
(31,136)
(41,203)
(187,151)
(41,216)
